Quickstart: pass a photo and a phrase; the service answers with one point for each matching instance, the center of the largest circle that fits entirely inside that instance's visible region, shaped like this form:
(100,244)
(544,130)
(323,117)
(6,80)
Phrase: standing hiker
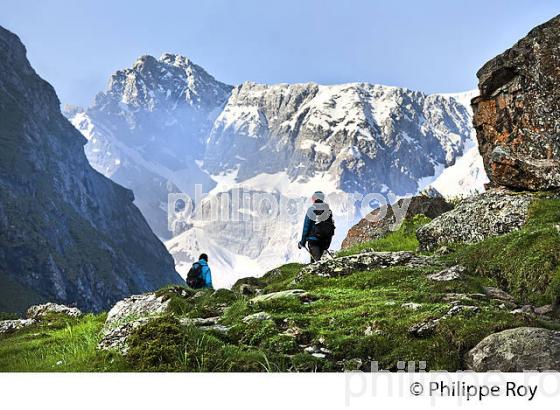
(199,275)
(318,227)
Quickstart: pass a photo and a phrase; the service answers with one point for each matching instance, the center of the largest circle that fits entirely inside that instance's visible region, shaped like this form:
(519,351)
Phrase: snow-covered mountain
(467,176)
(165,125)
(148,129)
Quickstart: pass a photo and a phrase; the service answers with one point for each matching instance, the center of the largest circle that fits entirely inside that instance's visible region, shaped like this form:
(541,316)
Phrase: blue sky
(427,45)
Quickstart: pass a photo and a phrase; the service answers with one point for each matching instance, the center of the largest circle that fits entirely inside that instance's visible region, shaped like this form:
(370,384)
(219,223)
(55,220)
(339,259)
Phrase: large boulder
(516,116)
(517,350)
(363,261)
(39,312)
(137,306)
(127,315)
(382,221)
(476,218)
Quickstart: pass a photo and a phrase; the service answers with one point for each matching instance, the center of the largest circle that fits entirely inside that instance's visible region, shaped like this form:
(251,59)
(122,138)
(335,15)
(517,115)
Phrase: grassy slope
(60,344)
(355,317)
(526,262)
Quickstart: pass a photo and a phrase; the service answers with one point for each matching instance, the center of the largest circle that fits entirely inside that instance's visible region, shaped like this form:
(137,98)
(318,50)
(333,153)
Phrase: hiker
(318,227)
(199,275)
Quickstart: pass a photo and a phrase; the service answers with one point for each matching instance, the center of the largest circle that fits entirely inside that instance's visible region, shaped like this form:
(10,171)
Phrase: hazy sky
(427,45)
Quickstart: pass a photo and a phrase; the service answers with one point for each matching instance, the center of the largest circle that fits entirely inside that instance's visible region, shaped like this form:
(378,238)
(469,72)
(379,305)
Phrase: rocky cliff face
(368,138)
(150,126)
(517,123)
(516,115)
(67,233)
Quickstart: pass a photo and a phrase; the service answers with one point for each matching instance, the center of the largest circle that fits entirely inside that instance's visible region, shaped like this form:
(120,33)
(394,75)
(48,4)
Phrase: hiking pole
(310,254)
(330,254)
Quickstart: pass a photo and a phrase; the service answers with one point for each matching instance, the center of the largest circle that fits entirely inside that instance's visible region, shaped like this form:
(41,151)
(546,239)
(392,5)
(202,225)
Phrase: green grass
(403,239)
(60,345)
(525,262)
(356,318)
(338,321)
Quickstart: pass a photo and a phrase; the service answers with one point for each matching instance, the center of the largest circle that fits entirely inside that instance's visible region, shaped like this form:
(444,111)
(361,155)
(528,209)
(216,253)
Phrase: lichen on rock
(476,218)
(516,115)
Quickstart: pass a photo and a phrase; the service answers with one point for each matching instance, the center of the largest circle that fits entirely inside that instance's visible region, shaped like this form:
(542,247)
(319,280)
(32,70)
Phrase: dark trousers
(317,250)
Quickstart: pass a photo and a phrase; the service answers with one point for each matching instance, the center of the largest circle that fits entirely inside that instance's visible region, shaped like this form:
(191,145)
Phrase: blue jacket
(308,225)
(206,273)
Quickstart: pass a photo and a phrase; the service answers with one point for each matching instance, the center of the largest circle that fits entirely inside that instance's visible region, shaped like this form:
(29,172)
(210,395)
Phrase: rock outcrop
(448,274)
(127,315)
(517,350)
(9,326)
(67,233)
(429,326)
(383,220)
(39,312)
(299,294)
(476,218)
(516,115)
(36,314)
(364,261)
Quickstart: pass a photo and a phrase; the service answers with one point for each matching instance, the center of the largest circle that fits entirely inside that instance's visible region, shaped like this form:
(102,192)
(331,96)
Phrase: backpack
(194,277)
(324,230)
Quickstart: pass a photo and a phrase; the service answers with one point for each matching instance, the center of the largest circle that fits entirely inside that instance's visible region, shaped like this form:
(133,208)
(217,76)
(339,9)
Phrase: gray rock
(475,219)
(428,326)
(544,310)
(517,350)
(9,326)
(116,337)
(524,310)
(462,309)
(137,306)
(38,312)
(462,297)
(364,261)
(300,294)
(256,317)
(199,321)
(449,274)
(127,315)
(423,329)
(496,293)
(411,306)
(207,324)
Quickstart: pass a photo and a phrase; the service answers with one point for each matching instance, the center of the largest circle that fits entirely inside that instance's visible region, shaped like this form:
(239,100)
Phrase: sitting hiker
(318,227)
(199,275)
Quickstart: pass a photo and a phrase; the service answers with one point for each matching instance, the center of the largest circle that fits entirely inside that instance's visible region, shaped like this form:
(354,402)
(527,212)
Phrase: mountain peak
(176,60)
(167,82)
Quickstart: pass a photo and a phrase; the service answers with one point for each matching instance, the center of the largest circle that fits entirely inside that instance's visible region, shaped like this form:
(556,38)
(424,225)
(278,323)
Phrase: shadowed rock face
(517,115)
(67,233)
